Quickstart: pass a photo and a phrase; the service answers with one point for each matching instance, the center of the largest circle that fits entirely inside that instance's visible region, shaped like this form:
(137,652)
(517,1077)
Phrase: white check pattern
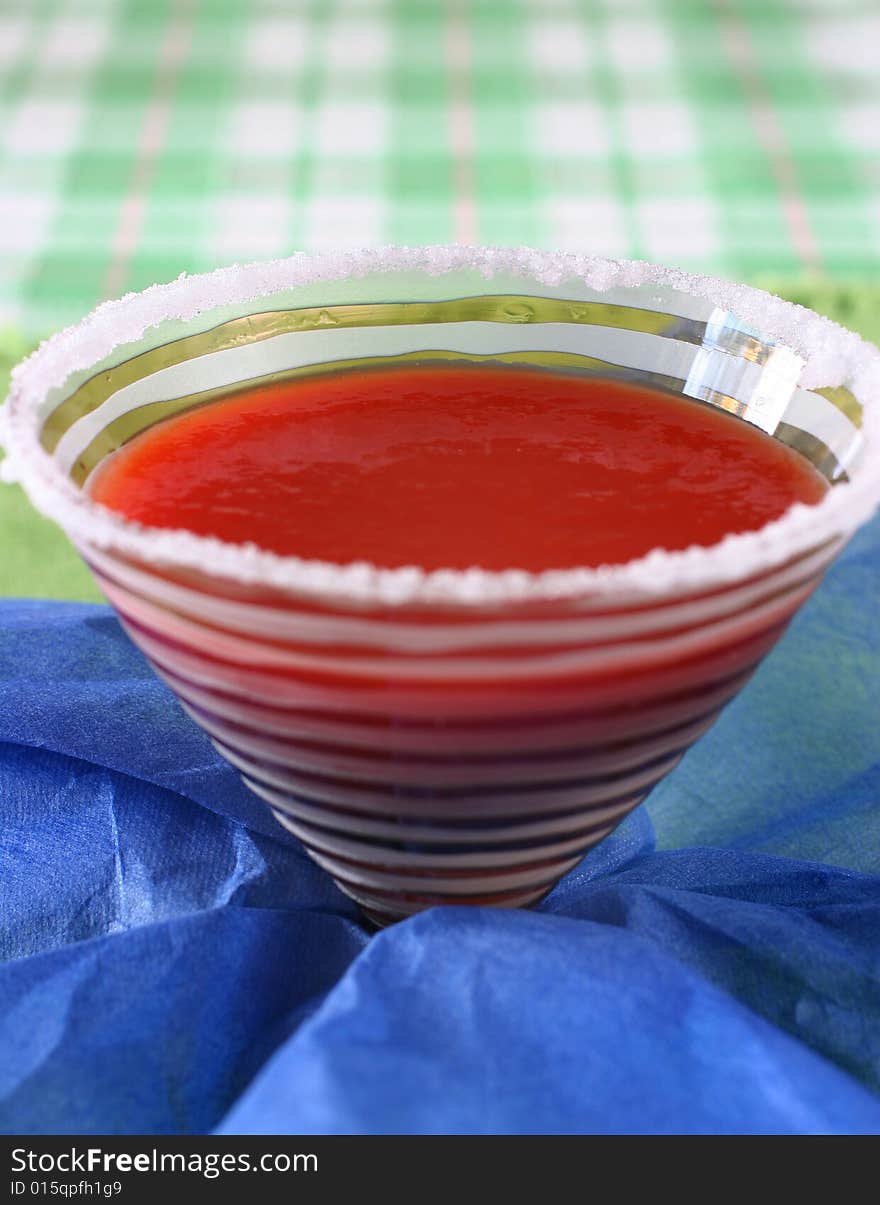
(141,140)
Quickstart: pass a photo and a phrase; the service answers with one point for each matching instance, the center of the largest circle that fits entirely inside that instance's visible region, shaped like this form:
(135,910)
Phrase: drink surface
(457,466)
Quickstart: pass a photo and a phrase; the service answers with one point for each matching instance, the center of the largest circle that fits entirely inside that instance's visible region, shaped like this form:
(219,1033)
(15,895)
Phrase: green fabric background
(143,138)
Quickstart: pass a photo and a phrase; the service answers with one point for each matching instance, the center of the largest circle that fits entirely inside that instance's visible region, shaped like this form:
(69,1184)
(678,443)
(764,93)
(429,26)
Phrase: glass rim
(831,356)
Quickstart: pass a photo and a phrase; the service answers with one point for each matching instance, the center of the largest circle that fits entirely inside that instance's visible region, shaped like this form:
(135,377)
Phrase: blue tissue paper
(174,963)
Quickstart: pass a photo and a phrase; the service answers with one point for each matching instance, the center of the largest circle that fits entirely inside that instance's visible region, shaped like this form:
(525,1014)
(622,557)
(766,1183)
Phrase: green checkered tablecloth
(142,138)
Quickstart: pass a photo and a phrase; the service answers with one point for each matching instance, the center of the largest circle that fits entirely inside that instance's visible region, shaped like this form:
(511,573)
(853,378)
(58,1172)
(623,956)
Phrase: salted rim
(832,355)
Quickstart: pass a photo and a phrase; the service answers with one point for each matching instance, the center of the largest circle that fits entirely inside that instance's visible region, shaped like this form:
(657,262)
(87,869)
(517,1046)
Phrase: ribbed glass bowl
(449,737)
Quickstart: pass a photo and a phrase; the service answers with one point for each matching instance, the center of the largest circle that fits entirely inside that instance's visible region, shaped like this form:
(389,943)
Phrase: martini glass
(449,736)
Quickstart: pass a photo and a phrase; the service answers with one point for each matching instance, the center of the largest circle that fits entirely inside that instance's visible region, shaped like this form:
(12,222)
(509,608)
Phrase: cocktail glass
(449,736)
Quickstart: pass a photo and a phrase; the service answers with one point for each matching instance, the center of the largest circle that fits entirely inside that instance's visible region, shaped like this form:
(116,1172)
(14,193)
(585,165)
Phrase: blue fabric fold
(482,1022)
(174,963)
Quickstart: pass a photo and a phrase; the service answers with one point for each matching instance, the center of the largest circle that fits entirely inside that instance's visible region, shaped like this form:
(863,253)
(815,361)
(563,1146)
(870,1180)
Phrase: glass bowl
(449,736)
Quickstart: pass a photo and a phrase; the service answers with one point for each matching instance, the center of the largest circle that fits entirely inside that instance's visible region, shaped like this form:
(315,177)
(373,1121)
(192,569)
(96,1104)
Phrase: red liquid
(455,467)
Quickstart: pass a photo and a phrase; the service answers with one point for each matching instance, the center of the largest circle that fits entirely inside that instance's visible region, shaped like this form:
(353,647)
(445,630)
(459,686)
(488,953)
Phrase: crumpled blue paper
(174,963)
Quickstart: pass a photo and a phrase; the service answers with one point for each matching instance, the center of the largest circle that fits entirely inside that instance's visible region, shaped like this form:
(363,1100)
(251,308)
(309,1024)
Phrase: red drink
(469,671)
(429,755)
(457,466)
